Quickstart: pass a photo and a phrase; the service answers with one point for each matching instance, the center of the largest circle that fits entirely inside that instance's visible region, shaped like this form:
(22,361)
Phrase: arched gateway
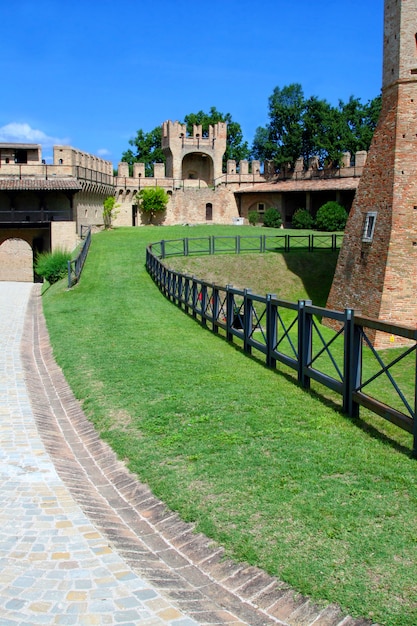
(16,261)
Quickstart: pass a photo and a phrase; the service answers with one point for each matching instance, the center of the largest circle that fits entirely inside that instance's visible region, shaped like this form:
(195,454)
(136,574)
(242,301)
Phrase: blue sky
(90,73)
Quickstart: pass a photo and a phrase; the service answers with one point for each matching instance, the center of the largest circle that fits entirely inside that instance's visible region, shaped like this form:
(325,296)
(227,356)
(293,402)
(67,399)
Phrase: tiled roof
(332,184)
(40,184)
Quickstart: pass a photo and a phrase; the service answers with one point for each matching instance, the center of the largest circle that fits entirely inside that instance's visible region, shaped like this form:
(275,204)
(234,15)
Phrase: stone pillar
(138,170)
(123,169)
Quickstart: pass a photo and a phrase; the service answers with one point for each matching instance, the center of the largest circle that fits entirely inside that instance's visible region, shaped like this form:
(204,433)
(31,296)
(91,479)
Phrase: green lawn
(276,474)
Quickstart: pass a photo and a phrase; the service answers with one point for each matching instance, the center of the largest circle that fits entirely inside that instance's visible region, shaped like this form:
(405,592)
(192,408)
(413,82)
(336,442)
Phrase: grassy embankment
(274,473)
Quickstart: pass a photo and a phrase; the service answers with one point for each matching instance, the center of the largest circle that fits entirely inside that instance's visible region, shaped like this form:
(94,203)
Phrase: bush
(253,218)
(109,211)
(152,201)
(302,219)
(331,216)
(52,266)
(272,218)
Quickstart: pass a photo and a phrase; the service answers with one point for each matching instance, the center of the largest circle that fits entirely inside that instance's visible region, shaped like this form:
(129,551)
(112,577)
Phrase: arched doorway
(16,261)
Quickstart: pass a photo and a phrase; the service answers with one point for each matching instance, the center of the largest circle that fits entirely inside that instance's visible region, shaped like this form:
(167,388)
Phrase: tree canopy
(312,127)
(146,147)
(298,126)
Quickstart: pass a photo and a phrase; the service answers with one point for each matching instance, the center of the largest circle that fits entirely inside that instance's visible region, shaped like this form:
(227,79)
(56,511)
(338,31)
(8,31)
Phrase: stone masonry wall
(379,278)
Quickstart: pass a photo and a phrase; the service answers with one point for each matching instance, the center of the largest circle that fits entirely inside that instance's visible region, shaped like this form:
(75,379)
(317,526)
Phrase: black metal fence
(289,333)
(236,244)
(75,267)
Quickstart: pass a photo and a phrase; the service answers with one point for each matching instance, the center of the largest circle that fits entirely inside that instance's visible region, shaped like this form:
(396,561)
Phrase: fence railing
(75,267)
(235,244)
(289,333)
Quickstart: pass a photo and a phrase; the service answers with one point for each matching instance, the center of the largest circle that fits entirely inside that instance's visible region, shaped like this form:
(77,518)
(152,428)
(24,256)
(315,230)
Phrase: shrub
(52,266)
(302,219)
(109,211)
(152,200)
(331,216)
(253,218)
(272,218)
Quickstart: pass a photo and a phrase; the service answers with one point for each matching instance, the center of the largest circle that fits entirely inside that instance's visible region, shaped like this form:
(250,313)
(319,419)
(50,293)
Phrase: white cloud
(103,152)
(16,132)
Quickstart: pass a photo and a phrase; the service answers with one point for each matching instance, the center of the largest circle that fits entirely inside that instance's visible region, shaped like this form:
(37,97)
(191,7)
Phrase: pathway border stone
(187,567)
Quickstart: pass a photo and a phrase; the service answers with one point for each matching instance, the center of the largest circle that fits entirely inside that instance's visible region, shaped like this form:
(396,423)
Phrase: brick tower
(376,272)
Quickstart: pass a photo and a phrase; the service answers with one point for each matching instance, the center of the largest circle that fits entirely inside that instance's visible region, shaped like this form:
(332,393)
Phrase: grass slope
(272,472)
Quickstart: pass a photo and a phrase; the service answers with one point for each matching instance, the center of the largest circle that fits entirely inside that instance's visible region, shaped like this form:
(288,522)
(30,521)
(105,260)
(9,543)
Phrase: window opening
(21,156)
(369,226)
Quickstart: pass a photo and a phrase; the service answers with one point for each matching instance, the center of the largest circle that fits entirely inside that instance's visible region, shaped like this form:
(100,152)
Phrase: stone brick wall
(16,261)
(64,235)
(379,278)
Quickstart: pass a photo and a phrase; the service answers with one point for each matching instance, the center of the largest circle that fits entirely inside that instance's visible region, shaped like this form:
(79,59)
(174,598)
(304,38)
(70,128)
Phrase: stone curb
(185,566)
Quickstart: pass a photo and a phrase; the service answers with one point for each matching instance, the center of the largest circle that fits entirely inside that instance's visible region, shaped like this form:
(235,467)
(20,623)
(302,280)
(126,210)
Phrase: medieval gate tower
(376,272)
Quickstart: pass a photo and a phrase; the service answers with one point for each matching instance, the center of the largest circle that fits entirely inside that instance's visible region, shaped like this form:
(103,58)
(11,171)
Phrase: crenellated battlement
(175,133)
(246,171)
(67,155)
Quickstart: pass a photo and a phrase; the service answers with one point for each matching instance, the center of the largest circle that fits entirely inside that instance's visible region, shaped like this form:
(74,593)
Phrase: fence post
(287,243)
(305,342)
(69,274)
(415,412)
(247,320)
(185,246)
(186,292)
(203,302)
(162,249)
(230,303)
(271,330)
(180,283)
(215,308)
(194,296)
(211,244)
(352,363)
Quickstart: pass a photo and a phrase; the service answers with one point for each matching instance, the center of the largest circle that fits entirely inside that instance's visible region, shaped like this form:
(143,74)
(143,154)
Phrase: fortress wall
(186,206)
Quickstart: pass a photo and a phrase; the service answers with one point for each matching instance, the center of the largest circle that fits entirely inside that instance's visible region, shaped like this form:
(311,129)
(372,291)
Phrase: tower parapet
(195,156)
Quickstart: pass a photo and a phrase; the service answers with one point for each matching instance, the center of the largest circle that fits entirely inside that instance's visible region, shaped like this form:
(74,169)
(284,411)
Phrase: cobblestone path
(82,541)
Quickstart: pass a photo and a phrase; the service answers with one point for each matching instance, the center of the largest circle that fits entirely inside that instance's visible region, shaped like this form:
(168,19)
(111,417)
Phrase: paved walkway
(81,540)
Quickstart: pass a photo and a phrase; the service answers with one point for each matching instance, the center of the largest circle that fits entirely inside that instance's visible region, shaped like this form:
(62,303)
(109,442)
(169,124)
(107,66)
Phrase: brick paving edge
(189,567)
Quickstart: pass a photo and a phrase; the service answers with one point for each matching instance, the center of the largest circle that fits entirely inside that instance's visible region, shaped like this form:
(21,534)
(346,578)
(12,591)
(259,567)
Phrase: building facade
(200,192)
(43,206)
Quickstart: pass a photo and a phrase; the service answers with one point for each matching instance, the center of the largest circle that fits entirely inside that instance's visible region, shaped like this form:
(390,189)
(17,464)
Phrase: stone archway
(198,166)
(16,261)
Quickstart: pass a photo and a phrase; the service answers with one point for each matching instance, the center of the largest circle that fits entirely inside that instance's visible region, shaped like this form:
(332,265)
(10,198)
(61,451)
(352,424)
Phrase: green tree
(109,211)
(299,127)
(146,149)
(286,108)
(359,122)
(152,201)
(321,134)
